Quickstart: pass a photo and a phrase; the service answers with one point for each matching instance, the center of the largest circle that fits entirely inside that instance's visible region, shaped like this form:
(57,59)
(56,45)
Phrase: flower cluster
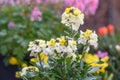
(62,45)
(36,14)
(73,18)
(29,71)
(88,37)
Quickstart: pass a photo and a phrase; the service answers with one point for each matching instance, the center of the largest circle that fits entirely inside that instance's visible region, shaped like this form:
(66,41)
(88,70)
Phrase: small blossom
(89,58)
(29,71)
(73,18)
(102,54)
(110,28)
(117,47)
(44,58)
(88,37)
(24,65)
(36,14)
(13,61)
(36,47)
(11,24)
(103,31)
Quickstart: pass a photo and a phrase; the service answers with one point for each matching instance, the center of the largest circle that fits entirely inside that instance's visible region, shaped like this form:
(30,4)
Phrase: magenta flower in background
(36,14)
(89,7)
(38,1)
(11,24)
(17,2)
(1,1)
(26,1)
(102,54)
(11,2)
(54,1)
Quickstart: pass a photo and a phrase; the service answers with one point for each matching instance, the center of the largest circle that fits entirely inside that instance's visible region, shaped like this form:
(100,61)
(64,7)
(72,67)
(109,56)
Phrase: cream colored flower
(73,18)
(88,37)
(36,46)
(29,71)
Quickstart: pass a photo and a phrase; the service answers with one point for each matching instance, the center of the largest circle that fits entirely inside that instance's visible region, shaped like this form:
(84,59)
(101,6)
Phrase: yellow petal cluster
(87,33)
(52,42)
(44,58)
(93,61)
(74,11)
(62,40)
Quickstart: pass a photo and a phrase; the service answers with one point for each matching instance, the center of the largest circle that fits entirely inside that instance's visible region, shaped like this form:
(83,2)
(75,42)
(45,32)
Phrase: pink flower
(36,14)
(1,1)
(11,24)
(54,1)
(26,1)
(12,2)
(91,6)
(17,2)
(38,1)
(102,54)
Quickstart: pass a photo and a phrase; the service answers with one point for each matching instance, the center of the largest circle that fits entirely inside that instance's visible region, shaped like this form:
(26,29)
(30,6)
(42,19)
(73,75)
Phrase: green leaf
(3,33)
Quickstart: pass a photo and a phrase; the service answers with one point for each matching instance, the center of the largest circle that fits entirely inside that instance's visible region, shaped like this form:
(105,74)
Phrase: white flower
(24,72)
(93,39)
(88,37)
(82,39)
(48,51)
(73,18)
(36,46)
(117,48)
(60,48)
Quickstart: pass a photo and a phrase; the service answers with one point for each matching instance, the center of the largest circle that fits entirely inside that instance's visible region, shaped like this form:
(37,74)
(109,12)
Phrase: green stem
(65,66)
(40,61)
(75,34)
(81,61)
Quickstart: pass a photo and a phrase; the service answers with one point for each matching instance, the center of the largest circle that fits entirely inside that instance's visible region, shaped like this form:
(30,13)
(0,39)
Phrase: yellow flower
(102,69)
(62,40)
(74,42)
(89,58)
(24,65)
(44,58)
(17,74)
(87,33)
(13,61)
(67,10)
(73,10)
(76,12)
(34,60)
(34,68)
(105,59)
(52,42)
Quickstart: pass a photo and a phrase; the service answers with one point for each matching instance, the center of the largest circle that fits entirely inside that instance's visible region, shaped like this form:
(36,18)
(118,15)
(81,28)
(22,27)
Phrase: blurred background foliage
(14,40)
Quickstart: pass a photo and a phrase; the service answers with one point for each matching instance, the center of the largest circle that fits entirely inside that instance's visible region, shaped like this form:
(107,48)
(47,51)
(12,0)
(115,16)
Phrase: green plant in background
(17,28)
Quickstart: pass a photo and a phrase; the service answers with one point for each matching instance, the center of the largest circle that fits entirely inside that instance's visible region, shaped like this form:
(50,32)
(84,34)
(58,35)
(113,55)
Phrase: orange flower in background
(110,28)
(102,31)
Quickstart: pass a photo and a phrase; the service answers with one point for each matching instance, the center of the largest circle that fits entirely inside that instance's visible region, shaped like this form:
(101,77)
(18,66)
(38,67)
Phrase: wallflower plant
(59,58)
